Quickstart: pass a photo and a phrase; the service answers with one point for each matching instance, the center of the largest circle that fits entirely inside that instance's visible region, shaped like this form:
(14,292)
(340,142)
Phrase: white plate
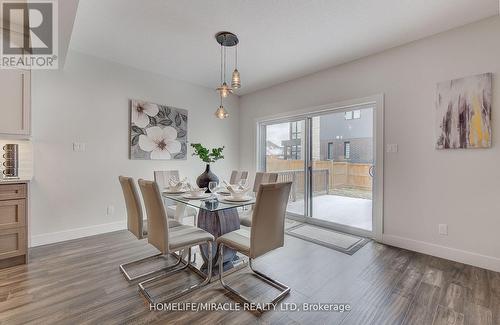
(190,197)
(174,192)
(238,199)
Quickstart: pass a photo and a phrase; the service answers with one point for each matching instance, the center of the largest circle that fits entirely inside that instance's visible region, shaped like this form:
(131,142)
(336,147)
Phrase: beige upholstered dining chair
(237,176)
(266,234)
(260,178)
(176,211)
(168,240)
(136,223)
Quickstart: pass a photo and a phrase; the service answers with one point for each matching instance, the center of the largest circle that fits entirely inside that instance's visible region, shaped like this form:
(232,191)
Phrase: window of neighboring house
(295,152)
(292,152)
(330,150)
(349,115)
(294,130)
(347,150)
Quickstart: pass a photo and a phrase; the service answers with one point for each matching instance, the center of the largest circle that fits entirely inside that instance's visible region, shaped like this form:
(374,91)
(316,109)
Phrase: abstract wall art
(157,132)
(463,113)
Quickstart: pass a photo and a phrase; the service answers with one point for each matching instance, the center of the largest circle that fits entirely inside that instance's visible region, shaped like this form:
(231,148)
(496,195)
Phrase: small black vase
(206,177)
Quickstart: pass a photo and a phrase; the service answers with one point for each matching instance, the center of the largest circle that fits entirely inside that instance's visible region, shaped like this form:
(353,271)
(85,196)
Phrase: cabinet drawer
(12,191)
(12,242)
(12,214)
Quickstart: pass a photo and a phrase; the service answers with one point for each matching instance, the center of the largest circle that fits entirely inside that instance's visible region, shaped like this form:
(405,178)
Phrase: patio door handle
(371,171)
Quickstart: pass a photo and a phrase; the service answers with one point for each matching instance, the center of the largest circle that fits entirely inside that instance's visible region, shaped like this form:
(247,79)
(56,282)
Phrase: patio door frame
(377,103)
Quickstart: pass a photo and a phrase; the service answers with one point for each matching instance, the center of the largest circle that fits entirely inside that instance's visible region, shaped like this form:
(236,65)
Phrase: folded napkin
(195,187)
(239,190)
(235,187)
(173,182)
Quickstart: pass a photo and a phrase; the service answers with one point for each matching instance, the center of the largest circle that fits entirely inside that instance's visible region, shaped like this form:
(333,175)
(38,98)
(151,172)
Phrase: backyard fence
(320,181)
(327,175)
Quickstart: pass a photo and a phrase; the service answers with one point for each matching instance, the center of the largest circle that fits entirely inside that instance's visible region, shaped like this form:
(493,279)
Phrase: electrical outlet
(110,210)
(443,229)
(79,147)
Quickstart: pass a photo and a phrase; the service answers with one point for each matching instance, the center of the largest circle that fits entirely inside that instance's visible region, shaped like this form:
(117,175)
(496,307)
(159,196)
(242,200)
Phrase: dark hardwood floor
(78,282)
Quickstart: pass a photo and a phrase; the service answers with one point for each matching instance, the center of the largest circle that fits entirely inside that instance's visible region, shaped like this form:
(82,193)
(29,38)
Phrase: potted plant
(208,156)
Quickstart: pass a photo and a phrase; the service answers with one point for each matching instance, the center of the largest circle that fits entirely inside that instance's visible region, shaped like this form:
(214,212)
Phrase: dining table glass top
(212,203)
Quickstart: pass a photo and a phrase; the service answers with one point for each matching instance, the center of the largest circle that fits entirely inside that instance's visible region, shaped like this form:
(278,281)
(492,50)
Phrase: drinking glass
(243,182)
(212,186)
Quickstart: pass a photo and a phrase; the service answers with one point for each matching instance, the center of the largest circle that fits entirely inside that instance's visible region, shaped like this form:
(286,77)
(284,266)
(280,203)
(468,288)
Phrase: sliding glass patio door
(283,151)
(342,165)
(329,157)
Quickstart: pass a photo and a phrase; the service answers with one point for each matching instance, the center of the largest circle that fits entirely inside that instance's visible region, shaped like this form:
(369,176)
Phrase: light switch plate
(392,148)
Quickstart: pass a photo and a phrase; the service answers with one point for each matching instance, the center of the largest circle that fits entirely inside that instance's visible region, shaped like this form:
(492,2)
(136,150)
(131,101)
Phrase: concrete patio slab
(353,212)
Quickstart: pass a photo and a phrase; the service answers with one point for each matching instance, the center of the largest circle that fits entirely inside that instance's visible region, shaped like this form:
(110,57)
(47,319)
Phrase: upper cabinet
(15,103)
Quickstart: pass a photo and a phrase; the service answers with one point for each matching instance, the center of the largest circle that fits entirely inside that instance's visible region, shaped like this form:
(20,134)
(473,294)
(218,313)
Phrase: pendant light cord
(224,64)
(221,64)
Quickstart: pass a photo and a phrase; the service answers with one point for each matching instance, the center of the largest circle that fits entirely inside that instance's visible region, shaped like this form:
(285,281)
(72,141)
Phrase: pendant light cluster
(227,39)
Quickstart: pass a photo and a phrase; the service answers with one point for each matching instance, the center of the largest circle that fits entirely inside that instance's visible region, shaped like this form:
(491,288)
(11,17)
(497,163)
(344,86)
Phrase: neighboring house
(343,136)
(274,150)
(355,150)
(293,147)
(347,136)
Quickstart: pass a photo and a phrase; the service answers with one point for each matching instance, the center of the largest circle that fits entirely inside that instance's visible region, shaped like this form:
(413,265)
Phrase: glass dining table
(217,216)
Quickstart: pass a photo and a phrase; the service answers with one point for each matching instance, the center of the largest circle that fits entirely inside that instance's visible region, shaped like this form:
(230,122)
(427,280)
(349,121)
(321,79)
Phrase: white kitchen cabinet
(15,102)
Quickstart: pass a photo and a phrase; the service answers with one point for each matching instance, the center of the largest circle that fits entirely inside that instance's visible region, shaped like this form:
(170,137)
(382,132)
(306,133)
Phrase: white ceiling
(279,39)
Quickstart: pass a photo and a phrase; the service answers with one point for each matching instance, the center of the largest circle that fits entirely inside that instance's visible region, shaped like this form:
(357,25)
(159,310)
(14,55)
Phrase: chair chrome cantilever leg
(147,295)
(284,290)
(278,285)
(130,278)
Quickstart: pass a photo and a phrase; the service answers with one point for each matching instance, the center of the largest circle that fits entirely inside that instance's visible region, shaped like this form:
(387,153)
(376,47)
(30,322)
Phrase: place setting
(185,190)
(226,193)
(175,186)
(235,193)
(196,193)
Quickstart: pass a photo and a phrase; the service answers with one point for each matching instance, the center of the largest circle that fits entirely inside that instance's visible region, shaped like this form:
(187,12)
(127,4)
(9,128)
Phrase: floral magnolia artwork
(157,132)
(141,113)
(162,143)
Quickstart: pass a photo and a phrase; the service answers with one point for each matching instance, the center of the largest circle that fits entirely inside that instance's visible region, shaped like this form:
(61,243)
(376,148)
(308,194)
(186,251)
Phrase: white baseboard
(466,257)
(54,237)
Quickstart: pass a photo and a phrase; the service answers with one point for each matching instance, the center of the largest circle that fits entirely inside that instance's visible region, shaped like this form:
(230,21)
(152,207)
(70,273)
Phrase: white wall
(89,102)
(423,186)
